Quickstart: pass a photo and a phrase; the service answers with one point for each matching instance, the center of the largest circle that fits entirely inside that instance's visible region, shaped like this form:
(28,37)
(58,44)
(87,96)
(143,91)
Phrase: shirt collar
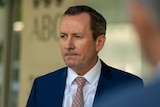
(92,76)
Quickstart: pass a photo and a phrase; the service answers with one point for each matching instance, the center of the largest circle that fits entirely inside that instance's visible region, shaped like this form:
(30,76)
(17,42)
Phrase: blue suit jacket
(146,97)
(48,90)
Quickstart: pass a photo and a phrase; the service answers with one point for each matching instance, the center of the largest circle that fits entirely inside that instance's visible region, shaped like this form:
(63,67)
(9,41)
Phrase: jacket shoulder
(120,76)
(57,74)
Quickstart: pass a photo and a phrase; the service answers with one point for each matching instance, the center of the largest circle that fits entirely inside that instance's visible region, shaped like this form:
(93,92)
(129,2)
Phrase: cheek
(87,47)
(89,50)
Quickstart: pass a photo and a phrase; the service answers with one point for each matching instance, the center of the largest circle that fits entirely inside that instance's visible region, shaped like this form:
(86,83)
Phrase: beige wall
(40,51)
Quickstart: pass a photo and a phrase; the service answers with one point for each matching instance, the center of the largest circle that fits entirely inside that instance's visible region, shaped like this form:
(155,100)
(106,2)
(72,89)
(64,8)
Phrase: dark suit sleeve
(32,97)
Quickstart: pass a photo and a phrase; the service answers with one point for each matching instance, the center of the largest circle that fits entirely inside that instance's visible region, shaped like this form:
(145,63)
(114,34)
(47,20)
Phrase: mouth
(71,54)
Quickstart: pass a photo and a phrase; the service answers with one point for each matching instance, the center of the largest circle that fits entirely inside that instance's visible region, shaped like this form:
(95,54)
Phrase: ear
(100,42)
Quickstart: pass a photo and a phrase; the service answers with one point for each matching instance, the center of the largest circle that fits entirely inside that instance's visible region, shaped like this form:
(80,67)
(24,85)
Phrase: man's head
(145,15)
(97,21)
(78,46)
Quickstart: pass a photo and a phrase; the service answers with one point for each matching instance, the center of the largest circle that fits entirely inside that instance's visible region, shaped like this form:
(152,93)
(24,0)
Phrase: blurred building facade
(29,43)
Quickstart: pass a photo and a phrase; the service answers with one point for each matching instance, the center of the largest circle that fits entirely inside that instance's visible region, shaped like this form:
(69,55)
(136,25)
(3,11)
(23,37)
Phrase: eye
(78,36)
(63,36)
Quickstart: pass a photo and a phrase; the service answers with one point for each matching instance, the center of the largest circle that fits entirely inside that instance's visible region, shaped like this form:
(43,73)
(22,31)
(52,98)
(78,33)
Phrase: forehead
(82,18)
(75,22)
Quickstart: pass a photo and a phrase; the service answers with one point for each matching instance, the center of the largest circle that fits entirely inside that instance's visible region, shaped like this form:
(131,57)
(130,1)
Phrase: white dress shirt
(89,89)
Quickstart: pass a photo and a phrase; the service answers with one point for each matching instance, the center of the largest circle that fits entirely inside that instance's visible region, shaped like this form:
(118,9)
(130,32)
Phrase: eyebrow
(72,33)
(62,33)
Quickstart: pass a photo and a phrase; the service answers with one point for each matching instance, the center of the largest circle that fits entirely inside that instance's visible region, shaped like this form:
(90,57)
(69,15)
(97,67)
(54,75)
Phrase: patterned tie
(78,99)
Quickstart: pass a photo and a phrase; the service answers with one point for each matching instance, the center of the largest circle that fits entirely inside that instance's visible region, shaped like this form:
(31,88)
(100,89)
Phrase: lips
(71,54)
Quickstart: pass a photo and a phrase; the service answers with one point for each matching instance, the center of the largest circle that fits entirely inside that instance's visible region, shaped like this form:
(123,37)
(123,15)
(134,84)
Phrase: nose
(69,43)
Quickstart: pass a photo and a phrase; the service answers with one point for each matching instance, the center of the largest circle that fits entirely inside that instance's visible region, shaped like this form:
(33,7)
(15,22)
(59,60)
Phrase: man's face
(77,45)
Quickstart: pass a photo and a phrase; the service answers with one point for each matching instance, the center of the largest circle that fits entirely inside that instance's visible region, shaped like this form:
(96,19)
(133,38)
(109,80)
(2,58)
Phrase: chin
(71,64)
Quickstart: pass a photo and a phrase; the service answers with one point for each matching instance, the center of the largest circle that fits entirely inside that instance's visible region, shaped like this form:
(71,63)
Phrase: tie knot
(80,81)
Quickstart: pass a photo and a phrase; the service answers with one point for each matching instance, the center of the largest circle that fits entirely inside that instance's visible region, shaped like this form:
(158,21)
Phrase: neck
(85,68)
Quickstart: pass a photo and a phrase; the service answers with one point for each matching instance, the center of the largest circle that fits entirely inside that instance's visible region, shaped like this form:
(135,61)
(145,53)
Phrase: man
(145,15)
(82,36)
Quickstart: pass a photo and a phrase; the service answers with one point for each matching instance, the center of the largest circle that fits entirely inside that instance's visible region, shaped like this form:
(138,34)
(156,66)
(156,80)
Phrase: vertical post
(7,54)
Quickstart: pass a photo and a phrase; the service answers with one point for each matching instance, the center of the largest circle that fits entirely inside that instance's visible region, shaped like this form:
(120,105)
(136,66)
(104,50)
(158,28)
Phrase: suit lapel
(104,84)
(57,90)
